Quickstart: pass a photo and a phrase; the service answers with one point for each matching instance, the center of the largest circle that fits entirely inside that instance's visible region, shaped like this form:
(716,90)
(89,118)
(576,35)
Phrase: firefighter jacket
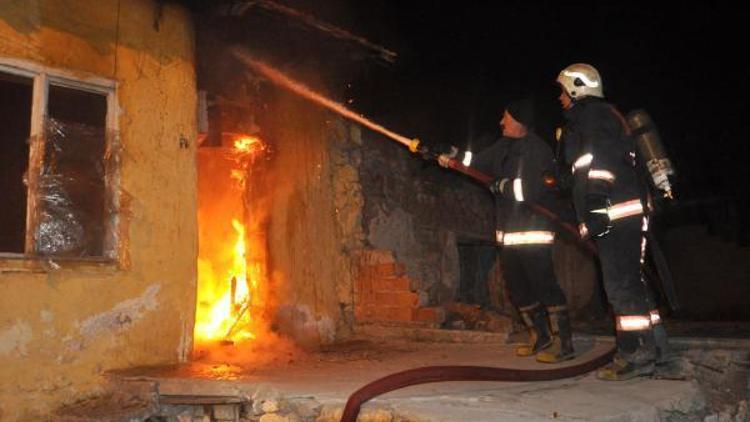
(520,165)
(601,153)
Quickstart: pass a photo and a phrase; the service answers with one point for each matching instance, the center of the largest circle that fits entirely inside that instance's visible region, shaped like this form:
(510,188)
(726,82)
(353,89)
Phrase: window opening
(15,125)
(58,163)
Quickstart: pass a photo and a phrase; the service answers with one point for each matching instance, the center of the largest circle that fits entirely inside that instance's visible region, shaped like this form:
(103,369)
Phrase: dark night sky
(460,62)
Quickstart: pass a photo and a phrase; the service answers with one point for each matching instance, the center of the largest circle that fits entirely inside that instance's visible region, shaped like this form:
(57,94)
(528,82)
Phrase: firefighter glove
(498,185)
(445,158)
(597,218)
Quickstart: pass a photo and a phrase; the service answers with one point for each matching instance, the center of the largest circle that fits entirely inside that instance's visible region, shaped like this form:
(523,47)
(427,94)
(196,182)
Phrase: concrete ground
(314,386)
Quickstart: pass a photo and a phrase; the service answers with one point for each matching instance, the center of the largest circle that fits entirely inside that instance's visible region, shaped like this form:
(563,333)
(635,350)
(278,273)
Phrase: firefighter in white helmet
(610,204)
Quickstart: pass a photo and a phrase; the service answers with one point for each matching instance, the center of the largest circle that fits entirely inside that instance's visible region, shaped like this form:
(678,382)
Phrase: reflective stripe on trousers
(532,237)
(638,322)
(633,322)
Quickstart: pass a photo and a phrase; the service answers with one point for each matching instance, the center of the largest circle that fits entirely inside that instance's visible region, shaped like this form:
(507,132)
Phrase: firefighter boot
(561,348)
(660,335)
(668,365)
(535,320)
(661,343)
(635,357)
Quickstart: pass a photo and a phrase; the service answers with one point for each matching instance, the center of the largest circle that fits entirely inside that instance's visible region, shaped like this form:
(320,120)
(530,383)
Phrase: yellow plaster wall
(61,329)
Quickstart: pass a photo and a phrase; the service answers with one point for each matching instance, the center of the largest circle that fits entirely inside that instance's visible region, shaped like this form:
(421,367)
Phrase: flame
(245,149)
(247,144)
(227,288)
(223,311)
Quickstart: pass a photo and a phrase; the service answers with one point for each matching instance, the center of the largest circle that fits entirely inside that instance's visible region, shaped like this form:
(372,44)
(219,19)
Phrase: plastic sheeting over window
(71,208)
(70,195)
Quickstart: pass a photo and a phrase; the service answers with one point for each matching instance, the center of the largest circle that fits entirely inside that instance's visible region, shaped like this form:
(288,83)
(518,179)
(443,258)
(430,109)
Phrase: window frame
(42,78)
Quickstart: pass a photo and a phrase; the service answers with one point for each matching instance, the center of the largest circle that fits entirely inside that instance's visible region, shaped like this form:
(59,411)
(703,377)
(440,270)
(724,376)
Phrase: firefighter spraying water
(414,145)
(656,162)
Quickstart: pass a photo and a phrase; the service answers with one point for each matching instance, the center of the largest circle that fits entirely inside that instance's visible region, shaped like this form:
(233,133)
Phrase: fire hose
(536,208)
(431,374)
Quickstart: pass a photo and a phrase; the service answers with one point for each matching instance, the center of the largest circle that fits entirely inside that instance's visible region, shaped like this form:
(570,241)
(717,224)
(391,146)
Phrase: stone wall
(710,274)
(419,211)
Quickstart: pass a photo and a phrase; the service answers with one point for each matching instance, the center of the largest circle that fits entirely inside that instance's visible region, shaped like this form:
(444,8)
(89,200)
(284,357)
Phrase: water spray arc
(429,374)
(414,145)
(282,80)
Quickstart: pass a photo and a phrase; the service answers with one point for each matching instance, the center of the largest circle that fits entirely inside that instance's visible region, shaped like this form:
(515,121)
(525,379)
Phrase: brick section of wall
(420,211)
(382,293)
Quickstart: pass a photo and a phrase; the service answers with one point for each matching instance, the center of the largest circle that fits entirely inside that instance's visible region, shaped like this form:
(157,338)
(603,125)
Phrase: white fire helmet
(581,80)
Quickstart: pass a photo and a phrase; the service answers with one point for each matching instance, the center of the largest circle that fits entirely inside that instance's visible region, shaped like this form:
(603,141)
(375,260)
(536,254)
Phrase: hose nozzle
(414,145)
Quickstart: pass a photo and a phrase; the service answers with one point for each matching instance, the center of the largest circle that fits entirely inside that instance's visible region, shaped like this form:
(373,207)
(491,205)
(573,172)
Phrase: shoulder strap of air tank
(622,120)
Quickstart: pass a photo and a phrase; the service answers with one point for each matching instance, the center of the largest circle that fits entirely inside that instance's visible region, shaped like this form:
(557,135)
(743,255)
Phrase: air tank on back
(651,151)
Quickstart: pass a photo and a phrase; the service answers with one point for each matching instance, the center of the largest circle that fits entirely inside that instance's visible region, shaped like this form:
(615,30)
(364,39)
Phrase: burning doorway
(231,257)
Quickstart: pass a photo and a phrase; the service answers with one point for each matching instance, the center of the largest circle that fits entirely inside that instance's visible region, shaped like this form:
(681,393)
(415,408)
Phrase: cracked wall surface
(421,212)
(311,194)
(62,325)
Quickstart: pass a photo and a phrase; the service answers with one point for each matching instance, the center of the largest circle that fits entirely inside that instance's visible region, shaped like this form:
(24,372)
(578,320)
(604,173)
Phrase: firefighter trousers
(530,276)
(620,255)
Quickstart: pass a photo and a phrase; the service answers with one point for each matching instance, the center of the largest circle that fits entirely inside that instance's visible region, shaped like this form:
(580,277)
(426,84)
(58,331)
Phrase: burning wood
(227,289)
